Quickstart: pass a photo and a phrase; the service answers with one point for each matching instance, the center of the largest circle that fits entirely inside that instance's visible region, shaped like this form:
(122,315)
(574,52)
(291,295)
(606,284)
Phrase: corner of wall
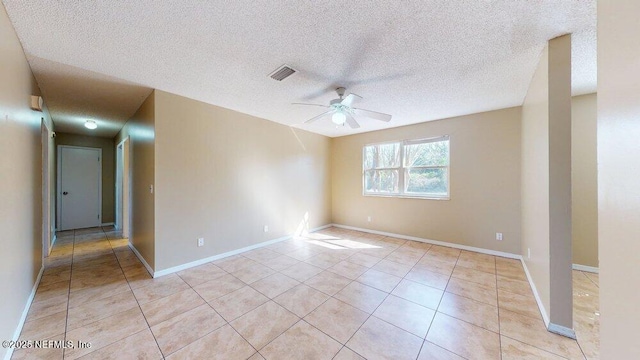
(223,176)
(140,129)
(546,184)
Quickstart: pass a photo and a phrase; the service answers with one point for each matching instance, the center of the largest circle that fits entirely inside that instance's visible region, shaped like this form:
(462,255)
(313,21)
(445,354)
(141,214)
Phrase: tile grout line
(66,321)
(589,278)
(307,314)
(207,303)
(214,310)
(73,251)
(302,318)
(121,269)
(523,342)
(495,266)
(270,299)
(533,346)
(383,300)
(536,347)
(585,274)
(105,237)
(438,307)
(227,323)
(137,302)
(118,261)
(509,337)
(329,297)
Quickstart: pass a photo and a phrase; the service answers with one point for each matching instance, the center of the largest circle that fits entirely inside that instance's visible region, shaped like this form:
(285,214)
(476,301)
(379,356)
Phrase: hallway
(333,294)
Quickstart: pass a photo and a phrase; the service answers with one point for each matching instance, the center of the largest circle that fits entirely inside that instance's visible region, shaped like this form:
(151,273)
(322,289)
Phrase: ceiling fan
(341,111)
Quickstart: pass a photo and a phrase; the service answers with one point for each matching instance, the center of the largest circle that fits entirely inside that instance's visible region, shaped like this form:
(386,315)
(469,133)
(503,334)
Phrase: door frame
(118,221)
(59,182)
(47,218)
(123,187)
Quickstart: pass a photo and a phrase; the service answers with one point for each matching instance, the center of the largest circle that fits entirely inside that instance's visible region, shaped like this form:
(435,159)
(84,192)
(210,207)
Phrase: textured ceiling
(74,95)
(417,60)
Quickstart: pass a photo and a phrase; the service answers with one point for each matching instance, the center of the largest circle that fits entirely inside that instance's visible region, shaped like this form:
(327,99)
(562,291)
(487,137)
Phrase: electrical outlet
(369,218)
(266,228)
(499,236)
(200,242)
(528,253)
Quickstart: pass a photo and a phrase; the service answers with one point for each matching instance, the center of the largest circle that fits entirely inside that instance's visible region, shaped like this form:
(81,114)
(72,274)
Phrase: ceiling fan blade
(349,99)
(372,114)
(352,122)
(325,106)
(318,117)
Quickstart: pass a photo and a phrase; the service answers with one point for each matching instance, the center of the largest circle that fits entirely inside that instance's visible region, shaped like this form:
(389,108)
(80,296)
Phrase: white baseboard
(543,311)
(591,269)
(195,263)
(434,242)
(141,258)
(107,224)
(551,327)
(53,242)
(562,330)
(23,318)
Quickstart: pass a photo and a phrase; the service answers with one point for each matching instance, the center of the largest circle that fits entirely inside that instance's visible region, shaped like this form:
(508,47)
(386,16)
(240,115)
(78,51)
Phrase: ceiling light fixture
(339,118)
(90,124)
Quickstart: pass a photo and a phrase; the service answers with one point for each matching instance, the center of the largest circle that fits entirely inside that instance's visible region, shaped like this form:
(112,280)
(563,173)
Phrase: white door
(80,189)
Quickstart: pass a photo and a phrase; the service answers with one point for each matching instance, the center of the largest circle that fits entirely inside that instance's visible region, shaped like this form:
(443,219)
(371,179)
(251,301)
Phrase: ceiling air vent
(282,73)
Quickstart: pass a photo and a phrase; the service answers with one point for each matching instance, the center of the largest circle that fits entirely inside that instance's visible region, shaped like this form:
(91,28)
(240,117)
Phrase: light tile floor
(335,294)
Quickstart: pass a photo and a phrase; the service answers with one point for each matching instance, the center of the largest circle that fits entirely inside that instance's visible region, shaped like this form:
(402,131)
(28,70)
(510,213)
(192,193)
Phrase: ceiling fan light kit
(90,124)
(341,112)
(339,118)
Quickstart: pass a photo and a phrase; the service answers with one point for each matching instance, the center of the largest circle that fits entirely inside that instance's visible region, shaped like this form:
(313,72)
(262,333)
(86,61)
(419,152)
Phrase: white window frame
(398,168)
(403,170)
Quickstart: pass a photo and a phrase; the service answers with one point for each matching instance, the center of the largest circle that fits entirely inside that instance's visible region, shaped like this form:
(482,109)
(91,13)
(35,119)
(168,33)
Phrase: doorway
(47,232)
(123,192)
(79,187)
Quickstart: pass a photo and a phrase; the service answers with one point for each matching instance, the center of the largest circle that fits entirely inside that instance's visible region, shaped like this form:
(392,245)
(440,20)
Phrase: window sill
(405,196)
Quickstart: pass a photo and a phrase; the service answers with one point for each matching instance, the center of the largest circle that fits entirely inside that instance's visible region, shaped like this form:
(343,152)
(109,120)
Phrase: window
(411,168)
(382,168)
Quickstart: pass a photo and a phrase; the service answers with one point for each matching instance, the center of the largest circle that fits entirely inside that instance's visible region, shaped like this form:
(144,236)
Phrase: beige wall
(20,181)
(584,180)
(108,167)
(546,182)
(535,178)
(618,174)
(140,130)
(224,175)
(560,241)
(485,184)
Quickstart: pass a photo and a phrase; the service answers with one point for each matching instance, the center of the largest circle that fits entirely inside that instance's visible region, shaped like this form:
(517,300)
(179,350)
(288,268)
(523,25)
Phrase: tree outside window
(411,168)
